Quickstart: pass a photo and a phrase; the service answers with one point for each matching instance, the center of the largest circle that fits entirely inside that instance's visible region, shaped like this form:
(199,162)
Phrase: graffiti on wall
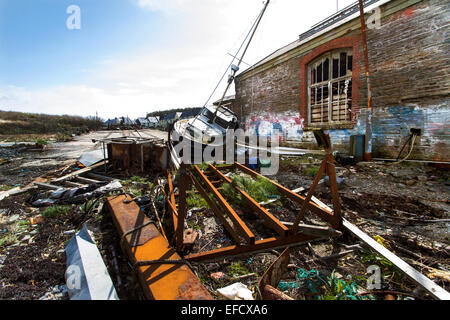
(286,127)
(391,126)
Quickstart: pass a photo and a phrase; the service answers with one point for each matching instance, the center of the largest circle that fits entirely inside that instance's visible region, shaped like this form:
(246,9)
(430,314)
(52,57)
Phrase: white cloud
(184,71)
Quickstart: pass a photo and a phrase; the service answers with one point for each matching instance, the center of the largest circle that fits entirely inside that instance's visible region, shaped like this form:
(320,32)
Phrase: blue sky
(36,48)
(131,57)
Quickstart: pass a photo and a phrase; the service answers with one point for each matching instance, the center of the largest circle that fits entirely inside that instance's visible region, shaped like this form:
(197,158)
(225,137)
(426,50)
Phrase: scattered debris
(86,275)
(236,291)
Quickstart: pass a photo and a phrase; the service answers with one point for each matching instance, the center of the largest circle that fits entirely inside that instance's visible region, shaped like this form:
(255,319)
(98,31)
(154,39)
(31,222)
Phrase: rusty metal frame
(327,215)
(216,210)
(161,271)
(203,185)
(260,245)
(286,236)
(241,227)
(269,219)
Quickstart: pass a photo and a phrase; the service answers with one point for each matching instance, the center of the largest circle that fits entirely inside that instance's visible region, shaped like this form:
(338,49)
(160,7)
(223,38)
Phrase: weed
(7,239)
(259,189)
(311,171)
(194,226)
(387,268)
(195,200)
(237,270)
(63,137)
(22,225)
(41,141)
(56,211)
(5,187)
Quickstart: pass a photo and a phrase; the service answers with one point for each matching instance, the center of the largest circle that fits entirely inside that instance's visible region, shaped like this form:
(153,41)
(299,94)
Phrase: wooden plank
(435,290)
(48,186)
(86,180)
(78,172)
(74,184)
(7,193)
(100,177)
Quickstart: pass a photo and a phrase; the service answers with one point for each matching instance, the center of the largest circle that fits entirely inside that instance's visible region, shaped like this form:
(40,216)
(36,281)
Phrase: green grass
(56,211)
(41,141)
(63,137)
(311,171)
(236,269)
(5,187)
(7,239)
(194,226)
(259,189)
(195,200)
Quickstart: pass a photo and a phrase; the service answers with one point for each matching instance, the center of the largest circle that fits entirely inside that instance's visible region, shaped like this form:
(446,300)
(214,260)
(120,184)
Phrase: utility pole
(368,143)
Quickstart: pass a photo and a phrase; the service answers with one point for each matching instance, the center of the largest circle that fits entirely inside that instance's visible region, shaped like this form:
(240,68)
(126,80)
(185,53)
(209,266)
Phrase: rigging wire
(234,58)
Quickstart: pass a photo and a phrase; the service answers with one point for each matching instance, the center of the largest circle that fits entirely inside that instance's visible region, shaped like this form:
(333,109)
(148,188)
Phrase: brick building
(318,81)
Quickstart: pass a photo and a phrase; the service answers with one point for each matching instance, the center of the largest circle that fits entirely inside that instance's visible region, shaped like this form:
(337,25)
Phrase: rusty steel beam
(182,210)
(307,201)
(269,219)
(273,275)
(260,245)
(323,213)
(237,221)
(331,172)
(216,210)
(172,203)
(151,255)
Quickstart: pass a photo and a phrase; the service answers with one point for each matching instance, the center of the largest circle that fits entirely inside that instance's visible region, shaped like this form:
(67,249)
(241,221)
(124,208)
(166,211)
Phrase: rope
(410,151)
(314,280)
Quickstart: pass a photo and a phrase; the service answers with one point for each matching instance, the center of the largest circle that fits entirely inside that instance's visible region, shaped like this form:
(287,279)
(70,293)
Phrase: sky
(132,57)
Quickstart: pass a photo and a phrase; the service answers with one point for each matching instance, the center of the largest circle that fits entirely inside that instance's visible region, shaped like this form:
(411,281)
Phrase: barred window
(330,88)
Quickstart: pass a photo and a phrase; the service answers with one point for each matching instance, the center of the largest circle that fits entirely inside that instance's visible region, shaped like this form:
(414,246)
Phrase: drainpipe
(368,143)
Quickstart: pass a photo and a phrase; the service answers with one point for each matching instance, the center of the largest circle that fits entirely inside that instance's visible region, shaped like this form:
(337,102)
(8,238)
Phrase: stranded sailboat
(209,127)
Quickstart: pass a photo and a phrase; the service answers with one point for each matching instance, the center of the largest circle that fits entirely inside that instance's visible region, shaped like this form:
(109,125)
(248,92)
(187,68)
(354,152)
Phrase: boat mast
(236,68)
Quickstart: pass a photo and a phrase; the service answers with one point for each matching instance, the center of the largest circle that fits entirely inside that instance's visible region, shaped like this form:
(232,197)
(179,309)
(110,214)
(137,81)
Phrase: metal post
(182,210)
(368,143)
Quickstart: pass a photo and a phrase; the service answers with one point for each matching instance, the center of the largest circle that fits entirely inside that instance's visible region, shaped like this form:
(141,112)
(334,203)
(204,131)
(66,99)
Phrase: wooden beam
(313,230)
(48,186)
(74,184)
(100,177)
(86,180)
(78,172)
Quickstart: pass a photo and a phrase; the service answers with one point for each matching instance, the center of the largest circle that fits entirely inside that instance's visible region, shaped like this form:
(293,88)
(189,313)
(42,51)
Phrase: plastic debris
(236,291)
(87,277)
(313,280)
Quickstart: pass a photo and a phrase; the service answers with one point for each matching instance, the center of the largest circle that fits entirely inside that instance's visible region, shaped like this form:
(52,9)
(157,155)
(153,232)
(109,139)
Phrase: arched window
(330,88)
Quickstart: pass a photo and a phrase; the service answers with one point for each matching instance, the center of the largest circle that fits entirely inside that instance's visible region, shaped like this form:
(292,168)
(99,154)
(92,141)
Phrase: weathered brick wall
(274,90)
(410,64)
